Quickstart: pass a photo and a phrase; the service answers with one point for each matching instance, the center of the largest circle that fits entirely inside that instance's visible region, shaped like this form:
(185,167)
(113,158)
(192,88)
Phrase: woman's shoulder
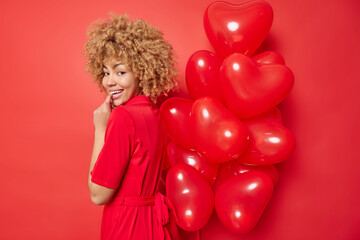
(121,111)
(121,116)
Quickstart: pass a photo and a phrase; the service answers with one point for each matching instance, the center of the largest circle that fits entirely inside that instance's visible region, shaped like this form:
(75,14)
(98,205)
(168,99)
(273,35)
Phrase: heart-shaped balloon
(270,142)
(218,135)
(202,75)
(234,168)
(207,169)
(239,28)
(249,89)
(241,200)
(269,57)
(176,114)
(191,196)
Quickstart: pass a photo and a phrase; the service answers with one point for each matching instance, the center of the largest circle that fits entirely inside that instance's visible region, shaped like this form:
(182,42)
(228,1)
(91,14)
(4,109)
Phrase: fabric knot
(161,209)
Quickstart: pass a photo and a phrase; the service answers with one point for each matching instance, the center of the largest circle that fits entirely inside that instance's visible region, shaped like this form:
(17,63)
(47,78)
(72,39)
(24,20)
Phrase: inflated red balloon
(234,168)
(270,143)
(249,89)
(269,57)
(191,196)
(207,169)
(241,200)
(218,135)
(176,114)
(239,28)
(202,75)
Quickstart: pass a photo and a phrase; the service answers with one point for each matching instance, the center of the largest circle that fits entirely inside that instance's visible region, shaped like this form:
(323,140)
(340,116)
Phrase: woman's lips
(116,94)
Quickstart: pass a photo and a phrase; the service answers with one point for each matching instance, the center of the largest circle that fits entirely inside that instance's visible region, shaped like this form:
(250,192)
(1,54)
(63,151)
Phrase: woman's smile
(115,94)
(120,82)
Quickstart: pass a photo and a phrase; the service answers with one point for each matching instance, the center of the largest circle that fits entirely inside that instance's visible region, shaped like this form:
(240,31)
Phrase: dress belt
(161,205)
(134,201)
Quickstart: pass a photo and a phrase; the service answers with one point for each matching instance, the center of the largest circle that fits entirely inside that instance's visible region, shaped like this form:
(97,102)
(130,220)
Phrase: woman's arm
(99,194)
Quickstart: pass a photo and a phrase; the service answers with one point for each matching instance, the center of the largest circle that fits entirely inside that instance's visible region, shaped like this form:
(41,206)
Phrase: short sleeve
(117,150)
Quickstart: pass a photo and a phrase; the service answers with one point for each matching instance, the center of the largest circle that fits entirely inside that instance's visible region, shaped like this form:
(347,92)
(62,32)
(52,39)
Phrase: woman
(132,62)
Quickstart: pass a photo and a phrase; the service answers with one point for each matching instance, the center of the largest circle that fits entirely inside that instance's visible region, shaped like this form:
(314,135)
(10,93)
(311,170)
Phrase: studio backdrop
(47,102)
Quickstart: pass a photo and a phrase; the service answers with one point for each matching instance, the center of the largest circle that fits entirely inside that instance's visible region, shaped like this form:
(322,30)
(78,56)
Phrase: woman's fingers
(108,99)
(107,103)
(102,113)
(110,102)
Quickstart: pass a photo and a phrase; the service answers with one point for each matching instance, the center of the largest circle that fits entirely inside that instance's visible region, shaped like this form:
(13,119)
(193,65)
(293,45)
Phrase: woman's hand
(101,115)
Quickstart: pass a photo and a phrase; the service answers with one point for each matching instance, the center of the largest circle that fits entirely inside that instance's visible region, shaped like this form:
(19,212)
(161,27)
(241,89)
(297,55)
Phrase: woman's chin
(117,102)
(113,106)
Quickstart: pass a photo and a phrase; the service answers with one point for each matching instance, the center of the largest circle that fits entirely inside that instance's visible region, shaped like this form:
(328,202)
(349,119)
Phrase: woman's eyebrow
(118,64)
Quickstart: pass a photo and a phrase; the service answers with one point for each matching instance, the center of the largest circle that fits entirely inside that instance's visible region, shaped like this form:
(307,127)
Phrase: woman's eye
(106,74)
(121,73)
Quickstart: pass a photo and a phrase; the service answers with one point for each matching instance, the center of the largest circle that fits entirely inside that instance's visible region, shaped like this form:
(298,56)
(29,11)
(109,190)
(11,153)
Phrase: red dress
(131,161)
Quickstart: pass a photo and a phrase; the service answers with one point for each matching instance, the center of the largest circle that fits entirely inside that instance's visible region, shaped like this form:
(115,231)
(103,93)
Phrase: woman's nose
(110,81)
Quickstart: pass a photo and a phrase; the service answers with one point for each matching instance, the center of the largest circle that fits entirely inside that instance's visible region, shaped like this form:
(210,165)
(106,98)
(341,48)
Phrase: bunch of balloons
(226,140)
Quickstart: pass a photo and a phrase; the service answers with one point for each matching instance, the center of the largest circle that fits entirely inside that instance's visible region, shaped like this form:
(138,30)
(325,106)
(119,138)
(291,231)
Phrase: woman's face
(119,82)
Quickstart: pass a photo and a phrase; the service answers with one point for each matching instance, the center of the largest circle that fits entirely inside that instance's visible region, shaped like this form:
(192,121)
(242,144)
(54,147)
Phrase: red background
(47,100)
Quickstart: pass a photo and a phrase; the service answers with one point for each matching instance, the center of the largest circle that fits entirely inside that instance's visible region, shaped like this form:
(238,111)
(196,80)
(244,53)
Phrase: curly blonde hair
(139,46)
